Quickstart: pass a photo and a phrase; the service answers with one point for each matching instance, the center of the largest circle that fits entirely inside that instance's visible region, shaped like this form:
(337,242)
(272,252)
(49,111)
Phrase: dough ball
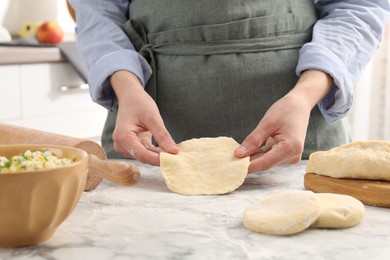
(283,213)
(359,160)
(339,211)
(204,166)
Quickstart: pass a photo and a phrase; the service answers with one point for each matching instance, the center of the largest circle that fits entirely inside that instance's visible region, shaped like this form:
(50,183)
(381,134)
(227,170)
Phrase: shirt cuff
(338,101)
(100,88)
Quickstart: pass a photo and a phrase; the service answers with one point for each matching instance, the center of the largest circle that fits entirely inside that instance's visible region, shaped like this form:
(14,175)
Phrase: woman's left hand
(279,137)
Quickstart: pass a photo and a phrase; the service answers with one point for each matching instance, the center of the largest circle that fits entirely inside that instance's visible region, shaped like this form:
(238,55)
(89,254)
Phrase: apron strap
(138,37)
(258,34)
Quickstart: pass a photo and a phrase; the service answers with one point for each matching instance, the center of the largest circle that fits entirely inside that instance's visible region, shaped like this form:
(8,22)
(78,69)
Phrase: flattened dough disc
(283,213)
(339,211)
(204,166)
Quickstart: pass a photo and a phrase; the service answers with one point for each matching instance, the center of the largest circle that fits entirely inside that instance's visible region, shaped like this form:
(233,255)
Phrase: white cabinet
(31,96)
(10,92)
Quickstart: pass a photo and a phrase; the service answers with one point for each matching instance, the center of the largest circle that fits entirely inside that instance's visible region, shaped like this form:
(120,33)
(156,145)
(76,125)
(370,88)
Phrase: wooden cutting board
(369,192)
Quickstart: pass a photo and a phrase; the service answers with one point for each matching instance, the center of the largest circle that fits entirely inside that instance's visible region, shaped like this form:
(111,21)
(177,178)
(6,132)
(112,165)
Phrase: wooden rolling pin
(99,167)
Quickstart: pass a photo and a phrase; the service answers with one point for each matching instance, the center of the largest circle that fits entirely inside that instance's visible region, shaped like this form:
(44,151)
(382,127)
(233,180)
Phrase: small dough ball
(283,213)
(204,166)
(339,211)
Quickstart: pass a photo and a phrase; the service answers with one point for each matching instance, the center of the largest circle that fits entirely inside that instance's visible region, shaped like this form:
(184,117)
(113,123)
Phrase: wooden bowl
(33,204)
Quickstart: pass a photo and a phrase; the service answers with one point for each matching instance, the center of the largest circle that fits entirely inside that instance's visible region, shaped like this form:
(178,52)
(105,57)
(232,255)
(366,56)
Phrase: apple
(49,32)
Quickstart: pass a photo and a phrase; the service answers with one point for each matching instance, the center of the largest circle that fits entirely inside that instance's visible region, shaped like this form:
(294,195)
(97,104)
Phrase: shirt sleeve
(105,47)
(345,38)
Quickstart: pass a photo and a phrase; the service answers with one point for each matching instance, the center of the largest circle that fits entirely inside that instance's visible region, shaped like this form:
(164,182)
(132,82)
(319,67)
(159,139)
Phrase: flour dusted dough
(283,213)
(339,211)
(359,160)
(204,166)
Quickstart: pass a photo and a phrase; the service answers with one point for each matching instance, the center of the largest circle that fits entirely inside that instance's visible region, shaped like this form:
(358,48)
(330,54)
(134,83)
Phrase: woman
(277,75)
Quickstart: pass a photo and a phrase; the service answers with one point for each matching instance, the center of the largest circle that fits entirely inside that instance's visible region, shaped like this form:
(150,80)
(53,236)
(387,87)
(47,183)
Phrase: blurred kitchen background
(22,11)
(370,116)
(42,88)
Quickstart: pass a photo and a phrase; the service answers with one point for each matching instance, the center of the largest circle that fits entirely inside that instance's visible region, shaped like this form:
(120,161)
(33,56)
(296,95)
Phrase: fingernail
(241,150)
(173,148)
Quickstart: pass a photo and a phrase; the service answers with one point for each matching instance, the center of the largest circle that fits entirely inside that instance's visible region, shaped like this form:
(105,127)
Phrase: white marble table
(147,221)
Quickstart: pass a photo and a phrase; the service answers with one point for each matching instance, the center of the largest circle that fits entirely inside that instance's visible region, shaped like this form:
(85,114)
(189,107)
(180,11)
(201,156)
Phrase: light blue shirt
(344,39)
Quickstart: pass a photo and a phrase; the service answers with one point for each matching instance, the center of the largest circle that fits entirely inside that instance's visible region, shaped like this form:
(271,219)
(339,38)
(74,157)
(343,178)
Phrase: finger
(164,139)
(276,156)
(153,148)
(256,155)
(263,167)
(132,147)
(123,151)
(264,149)
(146,140)
(139,152)
(265,161)
(253,141)
(268,145)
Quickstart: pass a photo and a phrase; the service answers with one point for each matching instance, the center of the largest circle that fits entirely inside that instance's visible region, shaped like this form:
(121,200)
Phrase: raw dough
(283,213)
(339,211)
(359,160)
(204,166)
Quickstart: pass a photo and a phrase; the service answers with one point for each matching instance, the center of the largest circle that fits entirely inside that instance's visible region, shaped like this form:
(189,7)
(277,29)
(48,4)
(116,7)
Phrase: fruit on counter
(29,28)
(49,32)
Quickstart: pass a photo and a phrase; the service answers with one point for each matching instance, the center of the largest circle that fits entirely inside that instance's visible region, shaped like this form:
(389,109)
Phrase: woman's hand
(137,121)
(280,135)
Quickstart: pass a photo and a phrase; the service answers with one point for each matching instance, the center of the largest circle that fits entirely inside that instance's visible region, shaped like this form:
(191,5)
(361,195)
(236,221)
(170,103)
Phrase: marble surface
(147,221)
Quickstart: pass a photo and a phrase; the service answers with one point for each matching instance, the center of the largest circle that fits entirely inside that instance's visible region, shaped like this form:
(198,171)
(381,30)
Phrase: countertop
(26,54)
(28,50)
(147,221)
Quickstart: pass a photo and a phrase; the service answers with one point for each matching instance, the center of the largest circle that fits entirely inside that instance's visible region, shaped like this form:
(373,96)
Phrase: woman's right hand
(137,121)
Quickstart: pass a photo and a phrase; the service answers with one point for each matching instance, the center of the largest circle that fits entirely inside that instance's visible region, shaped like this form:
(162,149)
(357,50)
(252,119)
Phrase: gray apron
(219,65)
